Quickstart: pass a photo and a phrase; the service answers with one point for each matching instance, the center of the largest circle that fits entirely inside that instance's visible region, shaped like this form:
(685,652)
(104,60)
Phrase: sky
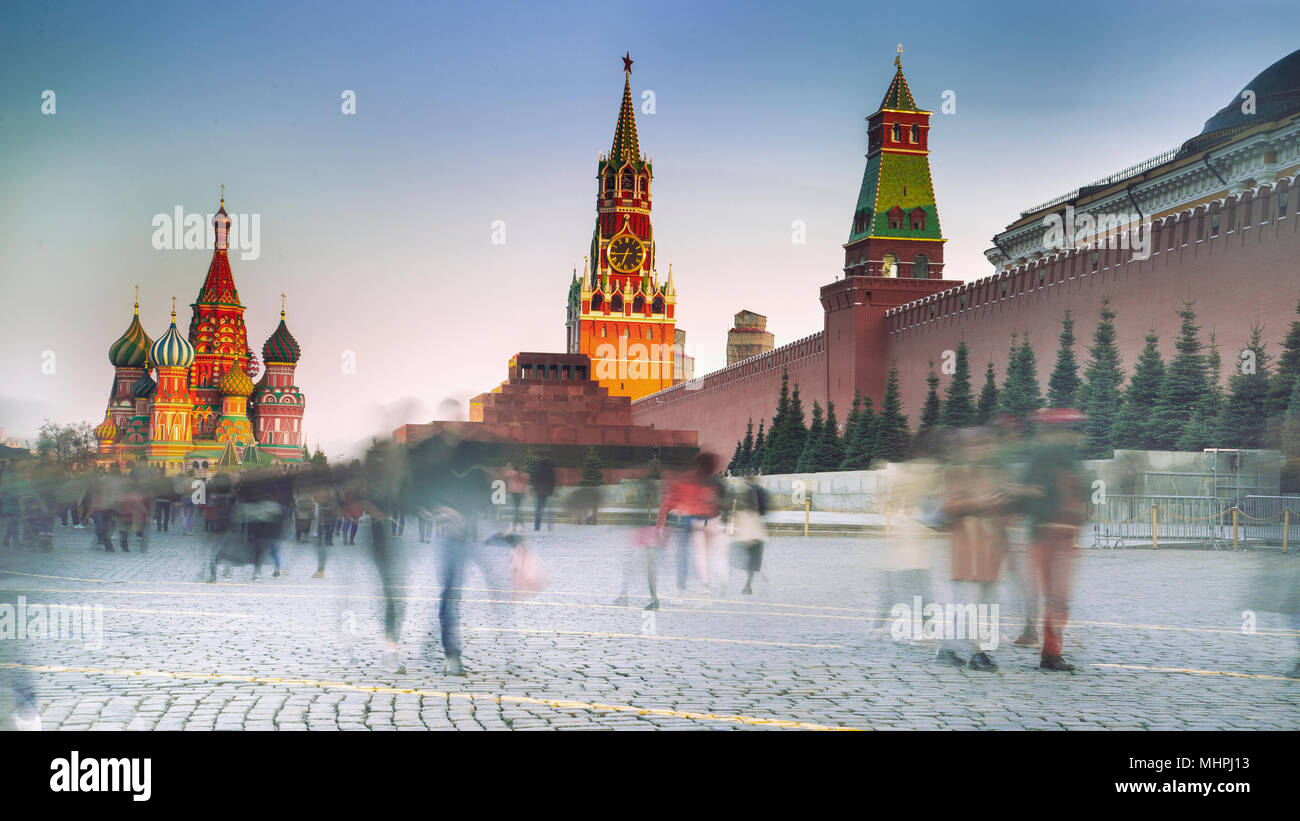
(379,226)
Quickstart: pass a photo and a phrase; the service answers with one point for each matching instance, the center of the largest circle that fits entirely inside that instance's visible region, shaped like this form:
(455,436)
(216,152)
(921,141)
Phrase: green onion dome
(281,347)
(131,348)
(144,387)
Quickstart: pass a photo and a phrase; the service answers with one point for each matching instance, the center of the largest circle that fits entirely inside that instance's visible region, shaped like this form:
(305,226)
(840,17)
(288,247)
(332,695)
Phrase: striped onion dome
(235,382)
(106,430)
(281,347)
(144,387)
(131,348)
(172,350)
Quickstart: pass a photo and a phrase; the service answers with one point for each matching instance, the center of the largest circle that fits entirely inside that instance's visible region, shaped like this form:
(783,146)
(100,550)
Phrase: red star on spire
(627,62)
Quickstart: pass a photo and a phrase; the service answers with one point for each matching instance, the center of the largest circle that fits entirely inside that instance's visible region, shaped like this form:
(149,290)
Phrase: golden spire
(173,310)
(223,195)
(137,300)
(281,305)
(898,61)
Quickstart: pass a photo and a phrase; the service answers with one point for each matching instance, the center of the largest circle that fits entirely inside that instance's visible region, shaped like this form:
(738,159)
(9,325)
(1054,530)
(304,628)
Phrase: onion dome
(132,348)
(235,383)
(144,387)
(106,430)
(172,350)
(281,347)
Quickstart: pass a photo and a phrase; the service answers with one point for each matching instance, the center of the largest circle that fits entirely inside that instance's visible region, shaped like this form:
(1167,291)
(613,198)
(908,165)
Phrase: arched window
(916,133)
(658,305)
(921,267)
(603,332)
(897,133)
(628,182)
(896,217)
(917,219)
(597,301)
(645,187)
(609,184)
(616,303)
(889,266)
(638,305)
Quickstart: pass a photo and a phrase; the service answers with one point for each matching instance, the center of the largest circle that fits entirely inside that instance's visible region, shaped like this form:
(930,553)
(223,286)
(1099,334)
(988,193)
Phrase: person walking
(543,480)
(696,498)
(748,530)
(516,486)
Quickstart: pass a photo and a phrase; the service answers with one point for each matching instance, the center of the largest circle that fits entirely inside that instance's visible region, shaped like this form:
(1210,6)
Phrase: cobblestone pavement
(1157,637)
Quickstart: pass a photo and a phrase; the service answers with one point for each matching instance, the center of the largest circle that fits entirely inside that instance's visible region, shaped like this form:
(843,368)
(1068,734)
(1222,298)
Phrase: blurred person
(221,531)
(1056,510)
(975,498)
(914,488)
(164,493)
(449,486)
(327,498)
(72,488)
(105,489)
(351,509)
(9,506)
(184,490)
(132,513)
(304,507)
(380,492)
(543,480)
(516,486)
(696,498)
(749,532)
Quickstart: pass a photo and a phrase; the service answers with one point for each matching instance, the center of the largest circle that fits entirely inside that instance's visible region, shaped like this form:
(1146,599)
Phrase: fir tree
(988,398)
(1063,386)
(774,447)
(858,450)
(932,410)
(756,459)
(1198,433)
(733,467)
(1288,369)
(852,421)
(746,449)
(593,473)
(798,432)
(1244,416)
(1214,397)
(1130,430)
(959,403)
(892,434)
(808,458)
(1105,381)
(1021,395)
(1183,387)
(830,449)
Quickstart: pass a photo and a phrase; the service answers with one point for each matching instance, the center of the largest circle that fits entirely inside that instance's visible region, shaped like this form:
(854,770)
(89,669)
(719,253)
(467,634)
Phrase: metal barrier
(1122,520)
(1269,520)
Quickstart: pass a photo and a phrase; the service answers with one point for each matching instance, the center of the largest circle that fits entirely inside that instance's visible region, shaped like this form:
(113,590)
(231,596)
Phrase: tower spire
(626,146)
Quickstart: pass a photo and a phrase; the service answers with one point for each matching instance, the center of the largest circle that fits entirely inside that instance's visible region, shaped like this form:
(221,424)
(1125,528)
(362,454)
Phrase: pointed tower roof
(626,147)
(899,96)
(219,285)
(281,346)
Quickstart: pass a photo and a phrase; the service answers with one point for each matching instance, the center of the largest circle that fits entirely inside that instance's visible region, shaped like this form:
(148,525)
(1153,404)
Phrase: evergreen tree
(1198,433)
(852,421)
(746,449)
(988,398)
(593,473)
(1183,387)
(932,410)
(796,428)
(1288,369)
(1105,381)
(1244,415)
(1291,442)
(858,450)
(733,467)
(1130,430)
(775,446)
(756,459)
(1214,397)
(892,434)
(1021,395)
(1063,386)
(318,458)
(808,458)
(830,448)
(959,402)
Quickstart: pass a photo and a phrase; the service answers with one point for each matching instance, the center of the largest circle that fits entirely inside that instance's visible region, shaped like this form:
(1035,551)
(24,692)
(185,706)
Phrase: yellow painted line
(1194,671)
(555,704)
(655,636)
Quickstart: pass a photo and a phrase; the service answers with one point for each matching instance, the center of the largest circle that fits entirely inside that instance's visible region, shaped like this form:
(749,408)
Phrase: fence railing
(1119,521)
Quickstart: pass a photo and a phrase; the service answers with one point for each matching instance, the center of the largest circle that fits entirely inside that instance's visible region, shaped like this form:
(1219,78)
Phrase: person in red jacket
(697,499)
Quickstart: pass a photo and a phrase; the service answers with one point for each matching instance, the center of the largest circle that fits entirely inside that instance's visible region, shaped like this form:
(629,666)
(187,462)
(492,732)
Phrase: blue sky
(378,225)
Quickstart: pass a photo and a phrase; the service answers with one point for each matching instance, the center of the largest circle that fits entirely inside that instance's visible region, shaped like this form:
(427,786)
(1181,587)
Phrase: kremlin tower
(203,399)
(619,313)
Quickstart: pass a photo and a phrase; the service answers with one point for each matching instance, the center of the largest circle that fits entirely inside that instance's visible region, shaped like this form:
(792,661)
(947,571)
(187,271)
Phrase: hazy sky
(379,226)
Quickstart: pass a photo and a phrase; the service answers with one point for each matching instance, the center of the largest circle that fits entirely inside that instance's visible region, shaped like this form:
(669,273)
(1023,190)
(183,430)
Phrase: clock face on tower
(626,253)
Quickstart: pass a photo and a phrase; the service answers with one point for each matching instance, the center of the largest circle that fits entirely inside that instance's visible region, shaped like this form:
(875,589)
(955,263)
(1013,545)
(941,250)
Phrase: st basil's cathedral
(182,402)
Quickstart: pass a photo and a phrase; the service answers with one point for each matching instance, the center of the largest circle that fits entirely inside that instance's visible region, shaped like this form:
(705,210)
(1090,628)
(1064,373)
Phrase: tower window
(1282,203)
(658,305)
(609,185)
(1214,224)
(916,134)
(597,301)
(616,303)
(921,267)
(645,187)
(638,305)
(896,217)
(897,133)
(918,219)
(627,182)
